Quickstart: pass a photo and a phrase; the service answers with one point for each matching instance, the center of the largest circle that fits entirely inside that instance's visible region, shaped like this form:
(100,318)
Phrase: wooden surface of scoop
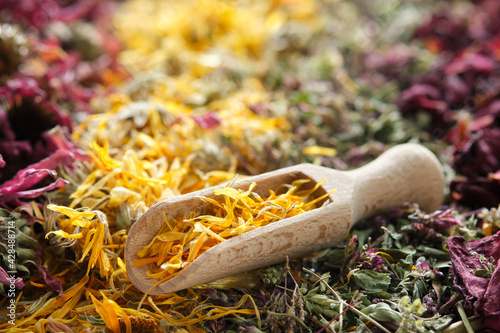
(404,173)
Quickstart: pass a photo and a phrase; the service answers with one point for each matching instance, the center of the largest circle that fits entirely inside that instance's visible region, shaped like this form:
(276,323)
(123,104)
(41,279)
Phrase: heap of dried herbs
(107,107)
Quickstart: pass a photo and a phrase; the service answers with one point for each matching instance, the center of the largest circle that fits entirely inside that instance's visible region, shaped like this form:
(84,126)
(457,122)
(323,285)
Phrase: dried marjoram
(181,241)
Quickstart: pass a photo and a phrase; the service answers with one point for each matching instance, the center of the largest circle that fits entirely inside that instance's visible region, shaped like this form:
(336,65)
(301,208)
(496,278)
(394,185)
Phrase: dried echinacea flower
(25,142)
(180,242)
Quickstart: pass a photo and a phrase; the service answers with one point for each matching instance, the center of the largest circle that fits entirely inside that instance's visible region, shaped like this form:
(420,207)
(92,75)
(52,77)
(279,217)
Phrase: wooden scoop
(405,173)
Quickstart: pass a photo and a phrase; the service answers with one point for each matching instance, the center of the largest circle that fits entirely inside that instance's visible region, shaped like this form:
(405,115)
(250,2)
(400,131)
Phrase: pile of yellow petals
(145,152)
(180,242)
(194,37)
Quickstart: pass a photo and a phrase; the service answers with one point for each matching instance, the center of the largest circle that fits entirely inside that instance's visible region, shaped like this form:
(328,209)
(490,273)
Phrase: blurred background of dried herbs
(193,92)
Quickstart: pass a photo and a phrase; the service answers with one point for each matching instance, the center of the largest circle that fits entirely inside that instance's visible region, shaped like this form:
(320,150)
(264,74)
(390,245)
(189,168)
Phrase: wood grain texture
(405,173)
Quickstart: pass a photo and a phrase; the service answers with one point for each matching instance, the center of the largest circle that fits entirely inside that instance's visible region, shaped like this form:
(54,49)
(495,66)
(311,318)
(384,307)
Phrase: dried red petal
(44,272)
(5,279)
(482,294)
(208,121)
(20,186)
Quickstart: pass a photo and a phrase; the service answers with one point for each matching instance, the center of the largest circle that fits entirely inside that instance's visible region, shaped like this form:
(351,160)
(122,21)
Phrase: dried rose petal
(481,156)
(477,192)
(53,326)
(444,32)
(5,279)
(481,293)
(65,150)
(471,63)
(20,186)
(39,13)
(44,272)
(425,97)
(208,121)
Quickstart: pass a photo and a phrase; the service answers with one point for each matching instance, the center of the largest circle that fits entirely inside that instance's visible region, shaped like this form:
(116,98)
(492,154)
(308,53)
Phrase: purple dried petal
(441,219)
(481,156)
(421,265)
(25,179)
(88,10)
(2,162)
(464,266)
(208,121)
(35,12)
(54,326)
(44,272)
(492,110)
(492,322)
(481,293)
(476,192)
(446,32)
(15,154)
(23,86)
(420,90)
(58,141)
(38,13)
(5,279)
(456,89)
(425,97)
(30,194)
(468,62)
(492,295)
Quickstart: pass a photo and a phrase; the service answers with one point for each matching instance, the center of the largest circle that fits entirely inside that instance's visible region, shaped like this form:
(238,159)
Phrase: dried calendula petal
(235,211)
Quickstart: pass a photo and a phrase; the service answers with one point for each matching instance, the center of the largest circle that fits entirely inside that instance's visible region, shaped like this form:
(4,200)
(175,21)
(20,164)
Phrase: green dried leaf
(336,258)
(399,254)
(372,281)
(439,323)
(382,312)
(433,252)
(324,281)
(377,293)
(24,240)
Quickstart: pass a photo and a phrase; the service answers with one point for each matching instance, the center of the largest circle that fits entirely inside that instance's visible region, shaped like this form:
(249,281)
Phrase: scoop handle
(405,173)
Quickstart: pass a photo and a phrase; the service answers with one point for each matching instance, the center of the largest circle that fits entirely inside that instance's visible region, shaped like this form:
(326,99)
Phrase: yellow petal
(107,313)
(64,234)
(71,213)
(198,227)
(319,151)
